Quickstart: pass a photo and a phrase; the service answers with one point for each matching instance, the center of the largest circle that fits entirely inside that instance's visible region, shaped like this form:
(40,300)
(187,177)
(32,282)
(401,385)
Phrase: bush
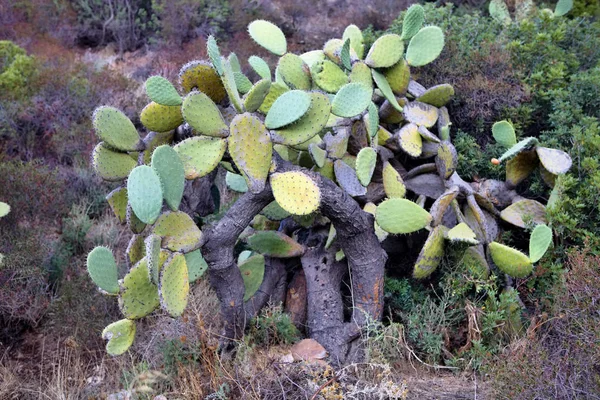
(17,69)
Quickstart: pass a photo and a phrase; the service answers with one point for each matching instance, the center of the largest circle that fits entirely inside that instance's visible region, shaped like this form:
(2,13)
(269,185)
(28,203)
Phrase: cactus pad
(179,232)
(392,182)
(242,83)
(317,154)
(230,85)
(410,140)
(345,55)
(161,91)
(236,182)
(251,149)
(117,200)
(203,115)
(420,114)
(441,204)
(257,94)
(385,52)
(152,141)
(4,209)
(114,128)
(446,160)
(510,261)
(398,77)
(413,21)
(347,179)
(309,125)
(461,233)
(524,210)
(136,249)
(174,285)
(563,7)
(386,90)
(431,254)
(133,222)
(269,36)
(111,165)
(275,244)
(520,167)
(200,155)
(517,148)
(260,66)
(296,192)
(214,54)
(274,212)
(159,118)
(294,71)
(276,90)
(437,96)
(328,76)
(475,262)
(288,108)
(120,336)
(102,267)
(202,77)
(169,168)
(351,100)
(540,240)
(425,46)
(555,161)
(145,194)
(365,165)
(353,33)
(401,216)
(499,11)
(504,133)
(253,272)
(361,73)
(139,296)
(152,245)
(196,265)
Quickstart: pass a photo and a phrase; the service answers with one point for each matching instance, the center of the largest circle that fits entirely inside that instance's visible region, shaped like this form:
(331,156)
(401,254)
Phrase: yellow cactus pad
(410,140)
(392,182)
(296,192)
(202,77)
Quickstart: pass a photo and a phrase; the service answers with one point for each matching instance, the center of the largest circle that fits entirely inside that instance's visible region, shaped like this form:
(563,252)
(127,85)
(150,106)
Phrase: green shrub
(17,70)
(273,327)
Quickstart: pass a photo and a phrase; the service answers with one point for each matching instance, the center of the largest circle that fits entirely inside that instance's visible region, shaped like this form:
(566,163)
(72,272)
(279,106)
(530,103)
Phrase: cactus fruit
(111,165)
(269,36)
(401,216)
(413,21)
(152,246)
(179,232)
(309,125)
(120,336)
(384,86)
(251,149)
(160,118)
(296,192)
(253,272)
(174,285)
(366,160)
(196,265)
(392,182)
(144,191)
(169,168)
(347,179)
(540,240)
(236,182)
(524,210)
(161,91)
(437,96)
(510,261)
(431,254)
(328,76)
(351,100)
(425,46)
(202,77)
(275,244)
(139,296)
(136,249)
(385,52)
(203,115)
(200,155)
(410,140)
(102,267)
(353,33)
(504,133)
(260,66)
(521,166)
(288,108)
(295,72)
(117,200)
(116,130)
(256,95)
(446,160)
(555,161)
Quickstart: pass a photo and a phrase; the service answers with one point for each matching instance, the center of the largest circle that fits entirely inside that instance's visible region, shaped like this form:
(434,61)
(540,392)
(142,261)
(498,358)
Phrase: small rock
(308,350)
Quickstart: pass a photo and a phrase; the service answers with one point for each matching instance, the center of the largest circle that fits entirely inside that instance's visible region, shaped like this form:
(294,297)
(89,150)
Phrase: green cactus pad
(361,73)
(196,265)
(521,166)
(139,296)
(179,232)
(385,52)
(161,91)
(230,85)
(548,177)
(366,160)
(540,240)
(174,286)
(401,216)
(328,76)
(499,11)
(295,72)
(425,46)
(555,161)
(288,108)
(133,222)
(236,182)
(4,209)
(398,77)
(202,77)
(214,54)
(410,140)
(234,61)
(371,208)
(372,120)
(392,182)
(446,160)
(332,49)
(504,133)
(145,194)
(312,57)
(169,168)
(152,141)
(203,115)
(136,249)
(276,90)
(159,118)
(345,55)
(111,165)
(317,154)
(274,212)
(413,21)
(309,125)
(351,100)
(260,66)
(437,96)
(431,254)
(257,95)
(200,155)
(421,114)
(461,233)
(385,88)
(275,244)
(117,200)
(519,147)
(563,7)
(296,192)
(269,36)
(475,262)
(347,179)
(114,128)
(510,261)
(152,246)
(242,83)
(354,34)
(102,267)
(524,210)
(253,272)
(251,149)
(120,336)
